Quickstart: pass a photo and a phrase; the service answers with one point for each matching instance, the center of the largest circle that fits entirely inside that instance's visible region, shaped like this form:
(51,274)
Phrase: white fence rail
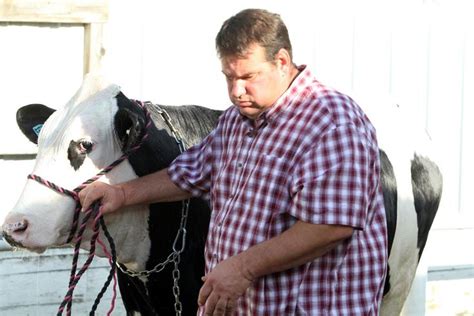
(34,284)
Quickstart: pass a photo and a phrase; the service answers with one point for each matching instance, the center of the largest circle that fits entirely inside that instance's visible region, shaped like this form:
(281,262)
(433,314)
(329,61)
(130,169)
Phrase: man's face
(253,83)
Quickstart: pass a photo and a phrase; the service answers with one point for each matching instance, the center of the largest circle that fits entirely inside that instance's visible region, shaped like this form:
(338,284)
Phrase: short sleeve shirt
(312,157)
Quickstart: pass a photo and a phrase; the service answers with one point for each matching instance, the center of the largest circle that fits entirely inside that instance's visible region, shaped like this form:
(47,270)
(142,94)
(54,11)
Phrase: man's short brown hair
(253,26)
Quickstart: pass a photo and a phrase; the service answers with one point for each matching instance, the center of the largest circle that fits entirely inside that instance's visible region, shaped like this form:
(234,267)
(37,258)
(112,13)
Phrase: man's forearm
(302,243)
(155,187)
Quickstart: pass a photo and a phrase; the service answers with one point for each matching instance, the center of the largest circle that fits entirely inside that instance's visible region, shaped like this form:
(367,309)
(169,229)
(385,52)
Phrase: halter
(98,222)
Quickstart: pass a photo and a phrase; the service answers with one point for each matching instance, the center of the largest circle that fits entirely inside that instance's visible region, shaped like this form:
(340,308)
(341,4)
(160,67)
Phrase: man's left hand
(223,286)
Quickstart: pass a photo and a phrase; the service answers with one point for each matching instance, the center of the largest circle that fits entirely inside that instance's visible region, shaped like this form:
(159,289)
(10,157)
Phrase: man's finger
(221,307)
(211,303)
(203,294)
(230,306)
(89,195)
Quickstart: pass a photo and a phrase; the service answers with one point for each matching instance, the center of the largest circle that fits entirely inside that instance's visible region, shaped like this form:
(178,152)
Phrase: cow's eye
(86,146)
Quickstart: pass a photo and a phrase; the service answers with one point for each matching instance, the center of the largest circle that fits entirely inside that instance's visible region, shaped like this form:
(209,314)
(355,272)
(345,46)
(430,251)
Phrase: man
(292,172)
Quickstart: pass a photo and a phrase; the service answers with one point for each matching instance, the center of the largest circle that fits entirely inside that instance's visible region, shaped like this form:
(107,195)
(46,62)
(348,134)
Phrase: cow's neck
(132,238)
(160,219)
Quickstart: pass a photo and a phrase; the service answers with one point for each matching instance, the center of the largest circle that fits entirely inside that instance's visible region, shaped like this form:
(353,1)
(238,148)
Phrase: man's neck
(294,72)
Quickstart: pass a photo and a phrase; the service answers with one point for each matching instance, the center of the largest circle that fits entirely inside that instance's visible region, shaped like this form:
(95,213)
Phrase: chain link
(178,307)
(175,256)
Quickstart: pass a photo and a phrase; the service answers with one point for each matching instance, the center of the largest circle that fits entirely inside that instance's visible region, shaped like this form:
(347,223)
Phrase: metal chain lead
(175,256)
(172,256)
(176,134)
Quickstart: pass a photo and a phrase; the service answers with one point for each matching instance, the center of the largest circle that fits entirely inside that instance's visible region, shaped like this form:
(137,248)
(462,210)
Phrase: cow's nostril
(17,227)
(21,226)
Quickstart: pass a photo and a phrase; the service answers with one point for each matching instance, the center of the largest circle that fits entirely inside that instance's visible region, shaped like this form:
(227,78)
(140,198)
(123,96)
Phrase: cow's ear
(30,118)
(128,127)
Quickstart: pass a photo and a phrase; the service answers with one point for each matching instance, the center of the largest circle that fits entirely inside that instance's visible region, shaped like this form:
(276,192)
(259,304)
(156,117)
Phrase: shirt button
(239,164)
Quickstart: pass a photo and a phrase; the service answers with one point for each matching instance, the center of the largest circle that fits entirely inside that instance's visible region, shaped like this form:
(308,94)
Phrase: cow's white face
(74,144)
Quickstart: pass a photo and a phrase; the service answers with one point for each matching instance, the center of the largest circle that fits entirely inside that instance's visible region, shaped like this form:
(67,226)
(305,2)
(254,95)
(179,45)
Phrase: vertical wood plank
(93,47)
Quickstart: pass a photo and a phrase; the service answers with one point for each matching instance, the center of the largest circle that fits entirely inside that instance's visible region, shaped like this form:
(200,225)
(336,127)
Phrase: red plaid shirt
(313,157)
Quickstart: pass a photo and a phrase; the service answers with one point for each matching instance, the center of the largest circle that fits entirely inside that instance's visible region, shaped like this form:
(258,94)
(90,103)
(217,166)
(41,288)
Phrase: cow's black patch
(390,196)
(129,124)
(155,297)
(77,152)
(427,183)
(30,118)
(135,298)
(75,157)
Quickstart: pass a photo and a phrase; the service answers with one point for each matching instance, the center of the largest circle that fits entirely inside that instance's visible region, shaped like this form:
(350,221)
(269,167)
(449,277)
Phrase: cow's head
(74,143)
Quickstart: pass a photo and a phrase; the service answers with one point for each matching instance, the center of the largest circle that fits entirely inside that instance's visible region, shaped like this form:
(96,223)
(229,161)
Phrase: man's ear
(30,119)
(283,58)
(128,127)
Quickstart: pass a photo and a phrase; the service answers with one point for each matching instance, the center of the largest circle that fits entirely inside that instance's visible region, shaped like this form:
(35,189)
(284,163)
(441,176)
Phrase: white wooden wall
(418,54)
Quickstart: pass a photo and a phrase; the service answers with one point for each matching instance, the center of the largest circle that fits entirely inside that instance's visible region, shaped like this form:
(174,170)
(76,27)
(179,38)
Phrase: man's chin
(248,111)
(248,115)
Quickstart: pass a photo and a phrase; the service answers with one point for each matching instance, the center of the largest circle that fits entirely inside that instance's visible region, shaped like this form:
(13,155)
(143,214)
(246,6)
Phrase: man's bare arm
(155,187)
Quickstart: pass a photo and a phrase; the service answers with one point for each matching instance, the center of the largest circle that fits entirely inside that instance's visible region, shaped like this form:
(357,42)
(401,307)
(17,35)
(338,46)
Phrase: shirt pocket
(271,174)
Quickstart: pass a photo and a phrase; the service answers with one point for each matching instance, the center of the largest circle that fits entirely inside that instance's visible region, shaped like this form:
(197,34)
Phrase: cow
(100,123)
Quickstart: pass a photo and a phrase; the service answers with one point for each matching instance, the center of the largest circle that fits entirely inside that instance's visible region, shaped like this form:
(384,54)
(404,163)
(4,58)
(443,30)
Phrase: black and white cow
(94,129)
(90,132)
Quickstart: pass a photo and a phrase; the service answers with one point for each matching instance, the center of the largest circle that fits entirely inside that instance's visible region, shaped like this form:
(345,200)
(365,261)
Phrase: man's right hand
(112,197)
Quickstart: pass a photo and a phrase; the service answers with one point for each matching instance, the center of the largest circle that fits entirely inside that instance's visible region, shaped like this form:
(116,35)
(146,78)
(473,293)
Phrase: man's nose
(238,88)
